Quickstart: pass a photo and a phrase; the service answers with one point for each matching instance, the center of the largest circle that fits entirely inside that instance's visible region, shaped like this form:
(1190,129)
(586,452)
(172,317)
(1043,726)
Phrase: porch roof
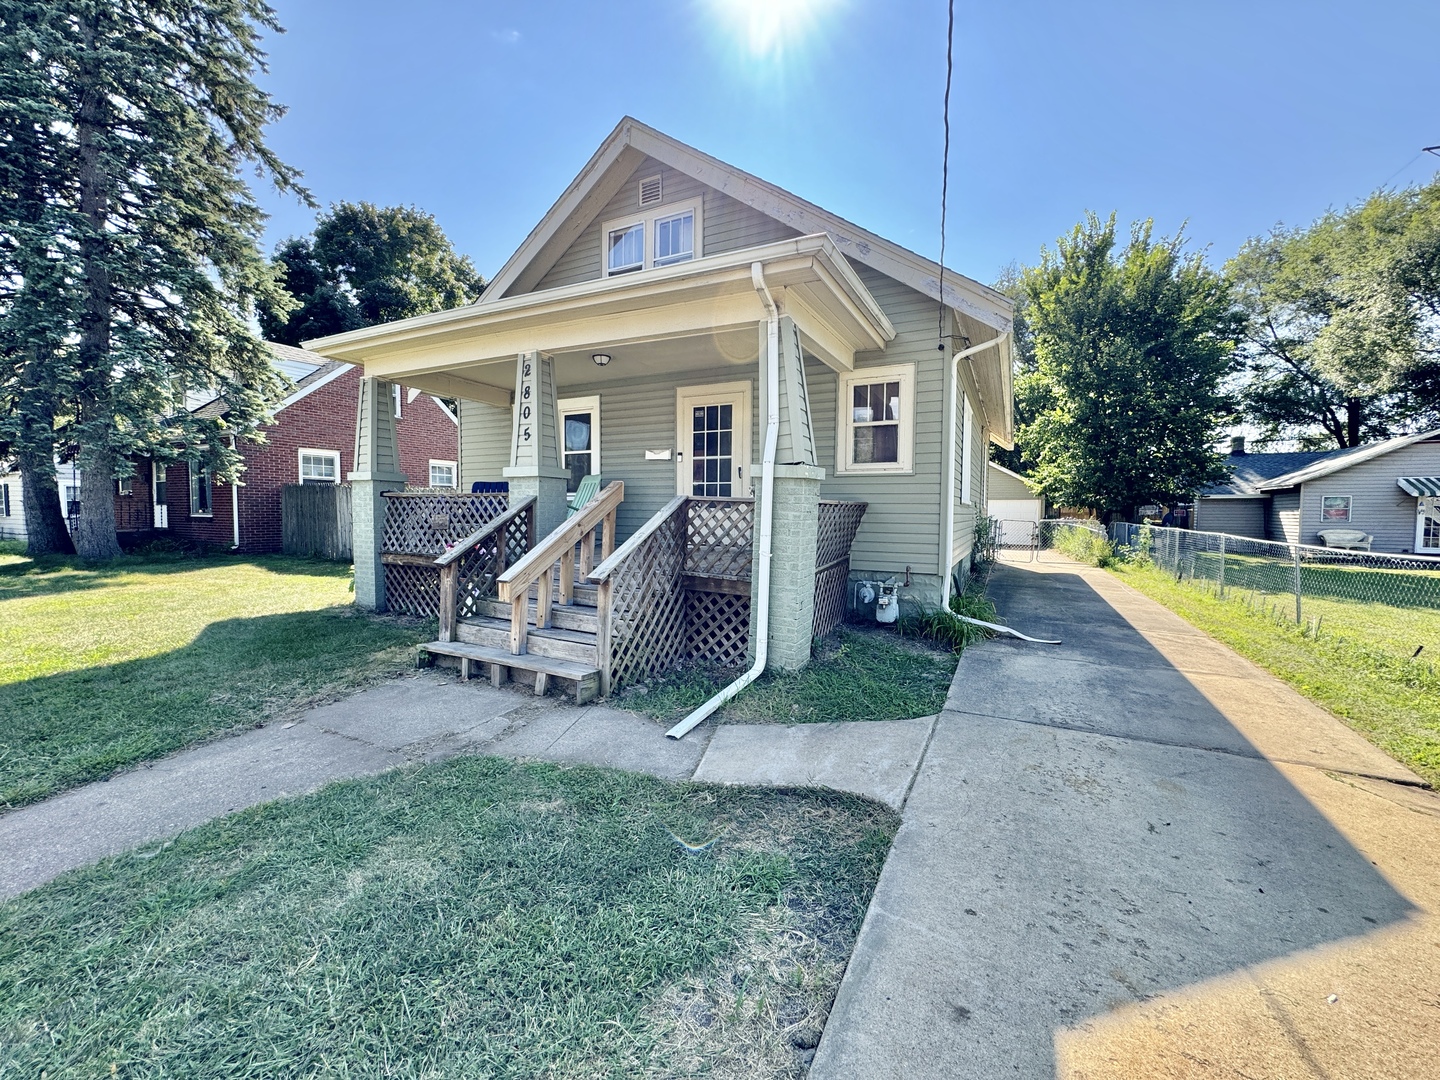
(468,352)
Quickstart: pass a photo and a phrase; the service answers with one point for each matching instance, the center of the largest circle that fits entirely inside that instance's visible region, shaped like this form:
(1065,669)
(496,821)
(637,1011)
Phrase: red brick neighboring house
(312,440)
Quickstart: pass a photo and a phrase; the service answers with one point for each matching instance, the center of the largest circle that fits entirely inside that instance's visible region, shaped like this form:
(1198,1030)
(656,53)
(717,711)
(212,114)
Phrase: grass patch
(479,918)
(107,665)
(1360,665)
(854,674)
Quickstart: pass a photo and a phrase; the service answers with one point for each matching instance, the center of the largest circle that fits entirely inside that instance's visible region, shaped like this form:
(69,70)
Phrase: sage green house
(688,330)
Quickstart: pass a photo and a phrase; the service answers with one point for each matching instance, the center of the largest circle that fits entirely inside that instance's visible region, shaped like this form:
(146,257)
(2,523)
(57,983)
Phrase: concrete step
(553,641)
(571,617)
(501,666)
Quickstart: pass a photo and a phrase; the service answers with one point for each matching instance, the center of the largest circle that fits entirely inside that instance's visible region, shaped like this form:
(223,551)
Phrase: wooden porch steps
(567,617)
(501,664)
(578,646)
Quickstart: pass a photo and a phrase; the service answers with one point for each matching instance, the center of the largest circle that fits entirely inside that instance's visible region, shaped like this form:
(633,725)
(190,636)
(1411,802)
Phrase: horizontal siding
(1237,517)
(1005,486)
(12,526)
(902,526)
(485,432)
(1283,519)
(1378,505)
(636,416)
(727,224)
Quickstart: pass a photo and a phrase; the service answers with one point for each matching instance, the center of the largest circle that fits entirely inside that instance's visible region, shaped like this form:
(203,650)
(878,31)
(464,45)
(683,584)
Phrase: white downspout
(951,434)
(760,581)
(234,507)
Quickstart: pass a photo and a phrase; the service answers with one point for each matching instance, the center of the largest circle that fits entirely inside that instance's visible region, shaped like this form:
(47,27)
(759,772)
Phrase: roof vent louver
(650,191)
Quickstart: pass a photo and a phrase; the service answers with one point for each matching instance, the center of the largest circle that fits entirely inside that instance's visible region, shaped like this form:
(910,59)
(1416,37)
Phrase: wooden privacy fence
(419,526)
(315,520)
(839,521)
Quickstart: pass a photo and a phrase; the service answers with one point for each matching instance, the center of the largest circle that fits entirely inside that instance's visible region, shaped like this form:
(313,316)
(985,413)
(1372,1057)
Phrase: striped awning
(1420,485)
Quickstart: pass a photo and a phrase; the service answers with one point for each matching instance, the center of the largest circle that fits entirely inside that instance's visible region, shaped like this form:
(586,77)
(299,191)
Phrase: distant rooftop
(1249,471)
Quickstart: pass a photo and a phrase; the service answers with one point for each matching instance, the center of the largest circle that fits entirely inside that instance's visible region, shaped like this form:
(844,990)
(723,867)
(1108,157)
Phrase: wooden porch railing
(640,600)
(558,549)
(419,525)
(470,571)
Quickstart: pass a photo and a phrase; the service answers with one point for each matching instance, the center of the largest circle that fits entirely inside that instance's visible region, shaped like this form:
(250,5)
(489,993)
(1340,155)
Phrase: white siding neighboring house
(12,504)
(1389,490)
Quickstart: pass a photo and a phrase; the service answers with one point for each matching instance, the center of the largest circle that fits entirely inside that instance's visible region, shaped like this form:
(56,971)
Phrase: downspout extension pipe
(760,586)
(234,507)
(951,435)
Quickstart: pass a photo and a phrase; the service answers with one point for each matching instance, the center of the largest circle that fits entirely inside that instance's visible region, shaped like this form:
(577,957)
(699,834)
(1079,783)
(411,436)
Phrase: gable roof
(1249,471)
(631,141)
(304,370)
(1008,472)
(1344,459)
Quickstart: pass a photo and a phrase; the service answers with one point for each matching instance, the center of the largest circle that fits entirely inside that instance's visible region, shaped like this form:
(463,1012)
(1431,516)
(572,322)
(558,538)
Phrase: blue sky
(1229,116)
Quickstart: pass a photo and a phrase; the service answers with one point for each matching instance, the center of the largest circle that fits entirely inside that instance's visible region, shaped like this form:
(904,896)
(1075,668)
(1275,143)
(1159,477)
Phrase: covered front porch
(709,523)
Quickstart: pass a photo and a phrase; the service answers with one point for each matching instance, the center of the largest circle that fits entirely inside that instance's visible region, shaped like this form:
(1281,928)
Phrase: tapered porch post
(795,525)
(377,470)
(535,448)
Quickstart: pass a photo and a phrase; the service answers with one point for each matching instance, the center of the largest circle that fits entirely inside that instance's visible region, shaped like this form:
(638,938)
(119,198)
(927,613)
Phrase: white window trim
(590,404)
(454,468)
(200,478)
(648,218)
(1349,510)
(967,463)
(844,420)
(316,452)
(395,391)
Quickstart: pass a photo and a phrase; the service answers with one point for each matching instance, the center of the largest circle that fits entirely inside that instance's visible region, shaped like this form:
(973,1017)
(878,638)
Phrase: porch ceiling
(661,321)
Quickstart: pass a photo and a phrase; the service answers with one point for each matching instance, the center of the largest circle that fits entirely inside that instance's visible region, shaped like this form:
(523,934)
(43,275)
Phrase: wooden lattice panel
(830,604)
(719,537)
(717,627)
(412,589)
(425,523)
(480,567)
(647,606)
(839,521)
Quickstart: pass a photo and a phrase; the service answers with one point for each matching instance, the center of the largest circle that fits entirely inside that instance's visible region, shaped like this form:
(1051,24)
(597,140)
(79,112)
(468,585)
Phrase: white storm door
(712,440)
(1427,524)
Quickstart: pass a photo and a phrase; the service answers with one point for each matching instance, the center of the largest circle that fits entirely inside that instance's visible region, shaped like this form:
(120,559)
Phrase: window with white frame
(200,491)
(660,237)
(125,486)
(319,466)
(442,474)
(4,500)
(877,420)
(1334,509)
(580,438)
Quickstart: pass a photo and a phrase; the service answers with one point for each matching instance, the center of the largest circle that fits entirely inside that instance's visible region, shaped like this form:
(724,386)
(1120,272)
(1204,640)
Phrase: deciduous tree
(1131,345)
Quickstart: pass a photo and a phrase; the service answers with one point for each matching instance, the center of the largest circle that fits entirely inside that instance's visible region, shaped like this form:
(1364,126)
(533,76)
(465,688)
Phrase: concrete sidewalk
(1136,854)
(427,718)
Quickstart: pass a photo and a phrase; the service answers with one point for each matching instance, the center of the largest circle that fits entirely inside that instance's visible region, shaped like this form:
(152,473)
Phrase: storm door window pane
(675,239)
(712,466)
(627,249)
(875,423)
(579,448)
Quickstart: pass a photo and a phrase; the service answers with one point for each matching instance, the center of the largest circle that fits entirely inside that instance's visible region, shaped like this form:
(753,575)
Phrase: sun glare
(767,26)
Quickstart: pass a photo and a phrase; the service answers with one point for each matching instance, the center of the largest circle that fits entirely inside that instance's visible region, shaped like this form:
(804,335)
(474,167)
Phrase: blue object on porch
(490,487)
(588,489)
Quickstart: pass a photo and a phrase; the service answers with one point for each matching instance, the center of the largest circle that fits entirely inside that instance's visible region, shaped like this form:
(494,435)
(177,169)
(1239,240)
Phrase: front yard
(479,918)
(111,665)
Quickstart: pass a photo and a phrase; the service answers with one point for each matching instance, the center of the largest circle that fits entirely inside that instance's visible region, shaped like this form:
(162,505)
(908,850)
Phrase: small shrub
(1084,545)
(944,629)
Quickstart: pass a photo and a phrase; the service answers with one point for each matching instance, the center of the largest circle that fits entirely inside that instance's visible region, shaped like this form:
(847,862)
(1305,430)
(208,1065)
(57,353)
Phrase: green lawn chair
(588,489)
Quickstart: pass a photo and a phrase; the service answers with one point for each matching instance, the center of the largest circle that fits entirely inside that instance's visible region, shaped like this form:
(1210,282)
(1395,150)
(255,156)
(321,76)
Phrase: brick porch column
(794,530)
(535,448)
(377,470)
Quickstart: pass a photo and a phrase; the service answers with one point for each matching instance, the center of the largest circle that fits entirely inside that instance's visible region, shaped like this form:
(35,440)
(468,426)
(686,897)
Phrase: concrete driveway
(1135,854)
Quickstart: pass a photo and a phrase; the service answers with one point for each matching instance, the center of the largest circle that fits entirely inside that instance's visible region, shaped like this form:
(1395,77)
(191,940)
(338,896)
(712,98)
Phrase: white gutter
(234,506)
(947,547)
(760,581)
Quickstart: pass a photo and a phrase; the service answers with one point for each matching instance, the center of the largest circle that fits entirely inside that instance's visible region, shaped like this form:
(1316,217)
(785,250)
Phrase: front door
(1427,524)
(712,440)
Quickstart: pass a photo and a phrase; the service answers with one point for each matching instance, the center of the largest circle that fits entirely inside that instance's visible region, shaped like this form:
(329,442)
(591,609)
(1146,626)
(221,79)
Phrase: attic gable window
(660,237)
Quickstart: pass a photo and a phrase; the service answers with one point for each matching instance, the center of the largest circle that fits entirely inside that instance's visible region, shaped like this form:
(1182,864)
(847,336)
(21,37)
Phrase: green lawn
(856,674)
(1361,664)
(104,666)
(478,918)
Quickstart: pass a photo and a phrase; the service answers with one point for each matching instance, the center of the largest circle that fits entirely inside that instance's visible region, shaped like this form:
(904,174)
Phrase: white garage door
(1016,518)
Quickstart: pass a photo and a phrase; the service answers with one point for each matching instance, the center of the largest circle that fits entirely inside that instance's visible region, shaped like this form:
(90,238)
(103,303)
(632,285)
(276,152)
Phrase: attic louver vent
(650,191)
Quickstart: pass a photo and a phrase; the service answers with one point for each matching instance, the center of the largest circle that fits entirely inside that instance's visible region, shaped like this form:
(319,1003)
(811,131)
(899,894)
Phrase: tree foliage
(132,266)
(1343,339)
(367,265)
(1130,347)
